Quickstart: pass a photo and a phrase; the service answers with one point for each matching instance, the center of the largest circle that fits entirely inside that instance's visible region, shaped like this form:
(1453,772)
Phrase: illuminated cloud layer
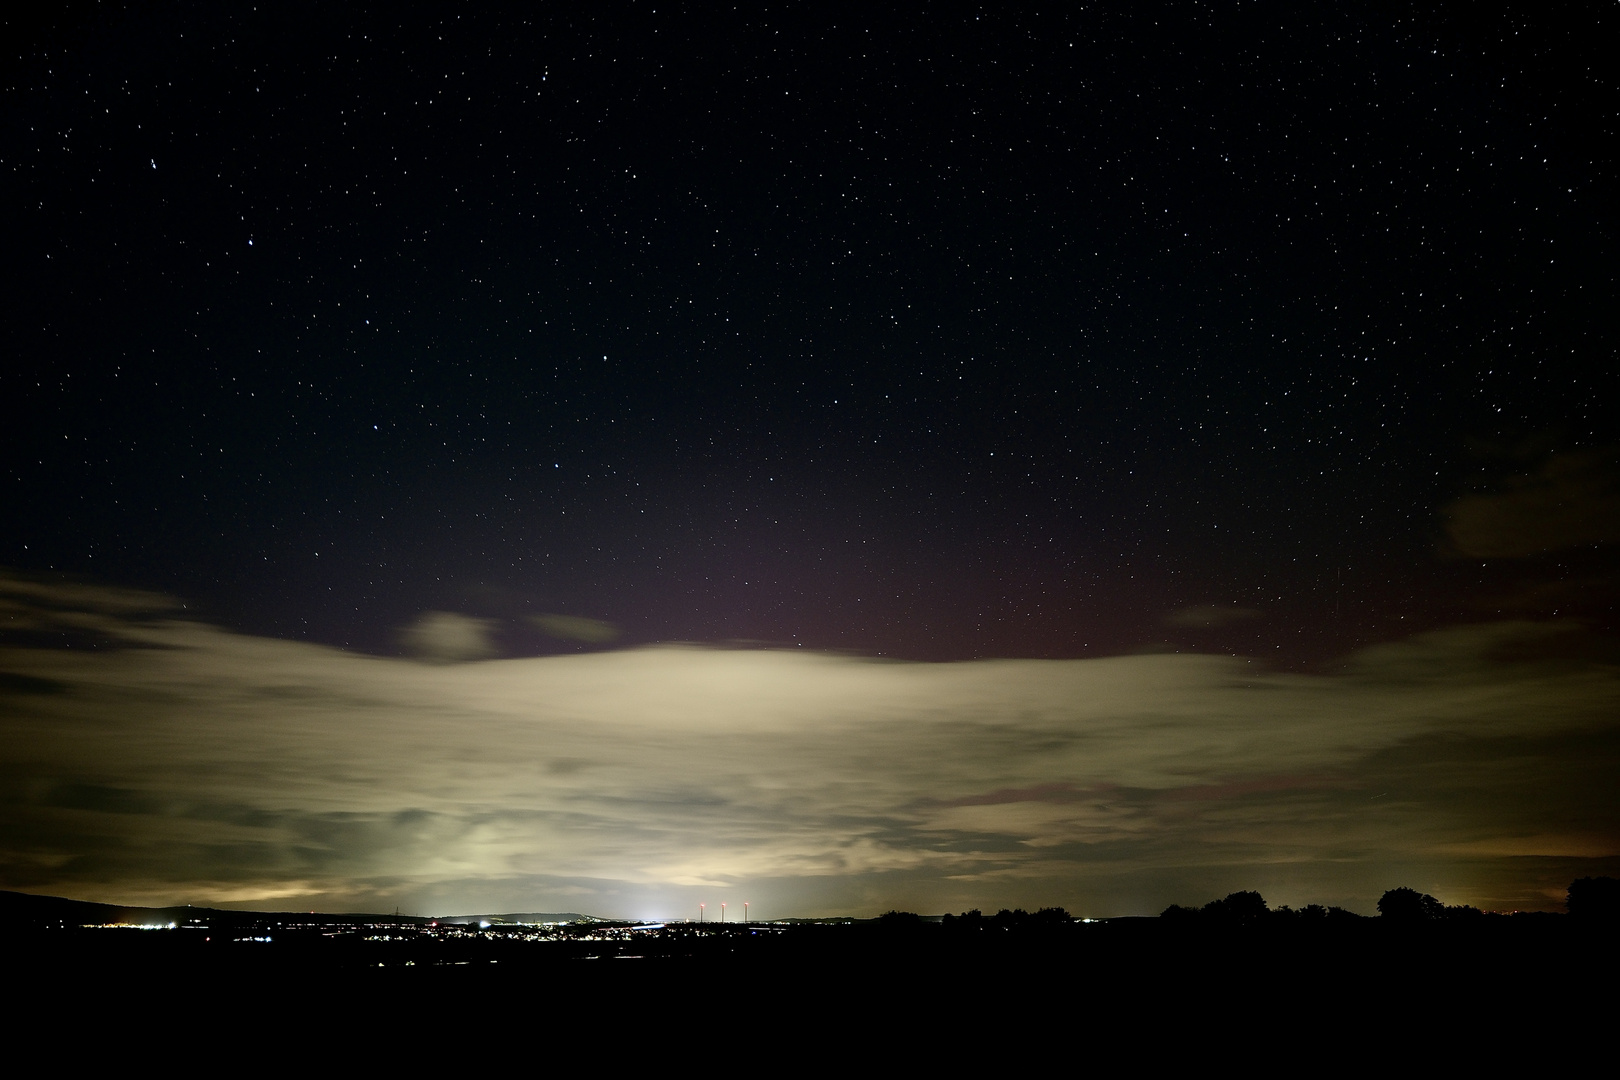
(159,759)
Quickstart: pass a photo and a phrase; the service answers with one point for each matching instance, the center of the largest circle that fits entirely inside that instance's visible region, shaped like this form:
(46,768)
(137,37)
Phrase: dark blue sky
(935,333)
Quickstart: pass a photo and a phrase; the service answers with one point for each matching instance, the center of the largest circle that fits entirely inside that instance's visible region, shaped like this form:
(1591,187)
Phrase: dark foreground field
(1532,986)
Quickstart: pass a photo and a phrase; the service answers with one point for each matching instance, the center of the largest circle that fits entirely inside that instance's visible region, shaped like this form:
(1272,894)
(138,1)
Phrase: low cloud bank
(180,762)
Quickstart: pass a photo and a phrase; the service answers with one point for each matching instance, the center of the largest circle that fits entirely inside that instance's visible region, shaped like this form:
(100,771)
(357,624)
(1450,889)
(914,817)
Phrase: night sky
(1254,363)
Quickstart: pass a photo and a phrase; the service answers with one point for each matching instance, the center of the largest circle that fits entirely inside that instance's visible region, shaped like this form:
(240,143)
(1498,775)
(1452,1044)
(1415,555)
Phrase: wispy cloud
(1571,500)
(196,764)
(447,637)
(576,628)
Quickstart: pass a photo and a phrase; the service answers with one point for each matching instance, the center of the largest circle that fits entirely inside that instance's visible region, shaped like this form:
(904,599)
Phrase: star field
(940,333)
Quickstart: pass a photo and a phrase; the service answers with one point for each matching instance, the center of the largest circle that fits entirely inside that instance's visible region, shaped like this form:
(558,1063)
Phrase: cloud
(35,605)
(1572,500)
(1209,616)
(445,637)
(45,596)
(576,628)
(208,766)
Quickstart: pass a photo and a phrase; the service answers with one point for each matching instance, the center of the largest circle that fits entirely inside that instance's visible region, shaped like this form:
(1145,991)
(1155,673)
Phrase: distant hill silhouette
(30,909)
(521,918)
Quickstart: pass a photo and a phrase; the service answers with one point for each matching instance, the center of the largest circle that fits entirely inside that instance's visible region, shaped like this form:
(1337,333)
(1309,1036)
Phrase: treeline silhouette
(1589,899)
(1250,909)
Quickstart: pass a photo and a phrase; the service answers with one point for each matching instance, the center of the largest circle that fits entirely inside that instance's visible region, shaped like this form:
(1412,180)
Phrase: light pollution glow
(190,764)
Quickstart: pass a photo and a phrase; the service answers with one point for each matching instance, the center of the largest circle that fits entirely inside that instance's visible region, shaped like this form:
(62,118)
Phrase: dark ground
(891,989)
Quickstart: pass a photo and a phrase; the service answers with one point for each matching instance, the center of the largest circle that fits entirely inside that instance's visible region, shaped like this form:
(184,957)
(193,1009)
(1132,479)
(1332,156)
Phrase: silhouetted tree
(1594,899)
(1011,920)
(1240,908)
(1409,905)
